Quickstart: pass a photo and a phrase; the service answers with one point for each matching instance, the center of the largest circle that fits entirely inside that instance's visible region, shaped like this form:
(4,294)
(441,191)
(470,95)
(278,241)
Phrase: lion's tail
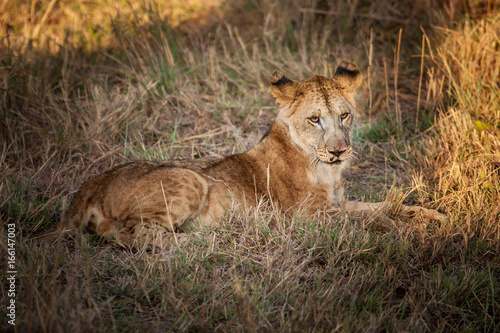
(72,221)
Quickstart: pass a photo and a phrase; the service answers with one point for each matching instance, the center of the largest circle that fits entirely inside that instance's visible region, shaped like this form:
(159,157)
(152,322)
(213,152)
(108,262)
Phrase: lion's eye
(314,119)
(344,115)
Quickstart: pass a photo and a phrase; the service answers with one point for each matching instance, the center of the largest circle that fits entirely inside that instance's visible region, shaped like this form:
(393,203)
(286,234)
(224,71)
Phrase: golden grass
(85,86)
(466,148)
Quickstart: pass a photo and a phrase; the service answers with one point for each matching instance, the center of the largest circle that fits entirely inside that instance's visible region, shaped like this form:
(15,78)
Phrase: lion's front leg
(430,214)
(358,208)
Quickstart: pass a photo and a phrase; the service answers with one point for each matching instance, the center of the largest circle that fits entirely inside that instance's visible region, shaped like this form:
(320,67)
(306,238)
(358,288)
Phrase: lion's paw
(430,214)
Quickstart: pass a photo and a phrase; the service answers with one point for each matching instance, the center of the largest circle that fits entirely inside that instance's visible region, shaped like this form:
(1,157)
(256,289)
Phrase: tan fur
(297,163)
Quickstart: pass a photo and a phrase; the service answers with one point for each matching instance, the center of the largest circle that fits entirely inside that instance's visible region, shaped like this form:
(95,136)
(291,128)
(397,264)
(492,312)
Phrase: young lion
(298,164)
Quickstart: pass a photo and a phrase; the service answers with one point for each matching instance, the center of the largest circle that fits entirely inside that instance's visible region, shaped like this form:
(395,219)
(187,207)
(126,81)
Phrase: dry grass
(84,87)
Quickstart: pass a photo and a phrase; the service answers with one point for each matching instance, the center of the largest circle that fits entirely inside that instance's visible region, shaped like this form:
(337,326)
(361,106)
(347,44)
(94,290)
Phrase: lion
(297,165)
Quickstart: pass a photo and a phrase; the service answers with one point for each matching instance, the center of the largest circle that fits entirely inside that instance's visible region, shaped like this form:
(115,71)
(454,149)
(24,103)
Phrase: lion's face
(319,112)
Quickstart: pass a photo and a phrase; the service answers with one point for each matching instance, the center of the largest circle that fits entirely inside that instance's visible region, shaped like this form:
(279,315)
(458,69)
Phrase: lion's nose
(337,152)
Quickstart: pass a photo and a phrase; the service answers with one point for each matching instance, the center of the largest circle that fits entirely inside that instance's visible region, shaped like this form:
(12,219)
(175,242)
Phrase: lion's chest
(329,179)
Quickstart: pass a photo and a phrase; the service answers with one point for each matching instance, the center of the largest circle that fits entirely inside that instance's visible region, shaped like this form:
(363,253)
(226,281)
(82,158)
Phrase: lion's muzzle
(334,156)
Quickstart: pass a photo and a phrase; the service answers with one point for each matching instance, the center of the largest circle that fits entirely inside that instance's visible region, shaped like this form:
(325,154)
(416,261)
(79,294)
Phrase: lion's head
(319,112)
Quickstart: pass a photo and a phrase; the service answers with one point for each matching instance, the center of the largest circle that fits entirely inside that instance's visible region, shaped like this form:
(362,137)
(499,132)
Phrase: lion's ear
(282,88)
(347,77)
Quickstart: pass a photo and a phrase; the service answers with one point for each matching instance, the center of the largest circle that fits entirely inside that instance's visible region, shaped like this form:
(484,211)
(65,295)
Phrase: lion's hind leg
(136,232)
(142,233)
(142,204)
(159,213)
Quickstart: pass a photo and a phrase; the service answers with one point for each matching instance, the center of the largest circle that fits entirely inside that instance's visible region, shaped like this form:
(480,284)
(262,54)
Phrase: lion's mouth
(333,157)
(331,161)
